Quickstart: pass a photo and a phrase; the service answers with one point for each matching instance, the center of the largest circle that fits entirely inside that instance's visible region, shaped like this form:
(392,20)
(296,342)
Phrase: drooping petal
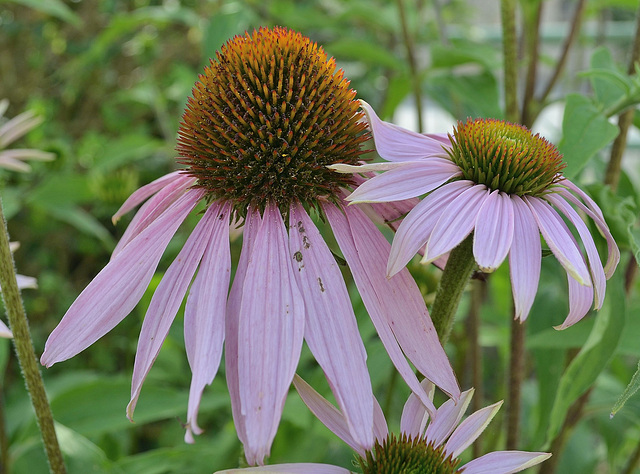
(324,411)
(116,290)
(152,209)
(595,265)
(395,143)
(367,167)
(469,430)
(270,334)
(447,418)
(4,331)
(410,180)
(205,311)
(504,462)
(331,330)
(302,468)
(580,299)
(18,126)
(593,211)
(395,303)
(415,229)
(493,232)
(380,428)
(559,239)
(414,415)
(524,258)
(165,303)
(142,194)
(231,348)
(456,222)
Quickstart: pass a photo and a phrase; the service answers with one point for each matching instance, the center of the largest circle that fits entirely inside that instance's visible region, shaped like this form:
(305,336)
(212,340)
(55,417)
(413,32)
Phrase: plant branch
(516,377)
(510,53)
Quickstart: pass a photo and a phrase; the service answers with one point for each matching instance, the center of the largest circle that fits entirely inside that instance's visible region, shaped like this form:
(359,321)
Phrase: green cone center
(265,119)
(405,455)
(505,156)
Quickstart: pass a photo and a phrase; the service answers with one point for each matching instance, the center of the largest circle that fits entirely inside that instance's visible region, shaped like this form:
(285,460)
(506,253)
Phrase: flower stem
(453,282)
(25,351)
(509,43)
(516,377)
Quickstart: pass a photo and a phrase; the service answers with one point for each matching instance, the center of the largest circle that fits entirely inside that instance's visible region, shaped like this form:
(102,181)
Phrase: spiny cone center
(265,119)
(405,455)
(505,156)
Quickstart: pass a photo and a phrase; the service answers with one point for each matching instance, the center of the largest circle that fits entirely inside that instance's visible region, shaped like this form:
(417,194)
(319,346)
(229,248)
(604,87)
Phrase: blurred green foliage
(111,79)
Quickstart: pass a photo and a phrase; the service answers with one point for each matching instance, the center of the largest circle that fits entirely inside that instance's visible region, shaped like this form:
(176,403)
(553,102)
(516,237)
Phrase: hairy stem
(452,284)
(478,288)
(510,53)
(411,59)
(25,351)
(516,377)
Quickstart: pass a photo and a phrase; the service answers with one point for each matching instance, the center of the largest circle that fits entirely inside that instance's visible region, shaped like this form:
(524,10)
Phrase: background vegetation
(111,79)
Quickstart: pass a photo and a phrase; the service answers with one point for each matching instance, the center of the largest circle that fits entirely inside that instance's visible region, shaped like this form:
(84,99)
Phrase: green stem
(25,351)
(411,59)
(516,377)
(452,284)
(509,45)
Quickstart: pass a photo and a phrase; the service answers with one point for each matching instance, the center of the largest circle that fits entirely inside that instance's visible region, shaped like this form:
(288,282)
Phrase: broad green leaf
(465,95)
(631,389)
(62,190)
(84,222)
(56,8)
(585,132)
(364,51)
(594,355)
(608,82)
(222,26)
(399,87)
(125,150)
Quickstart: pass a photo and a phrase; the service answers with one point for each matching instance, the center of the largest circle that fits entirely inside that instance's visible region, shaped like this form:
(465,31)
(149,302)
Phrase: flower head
(503,184)
(423,445)
(265,119)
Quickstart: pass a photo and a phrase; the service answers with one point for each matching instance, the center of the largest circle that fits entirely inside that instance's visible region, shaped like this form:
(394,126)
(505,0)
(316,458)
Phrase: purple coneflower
(265,120)
(503,184)
(422,446)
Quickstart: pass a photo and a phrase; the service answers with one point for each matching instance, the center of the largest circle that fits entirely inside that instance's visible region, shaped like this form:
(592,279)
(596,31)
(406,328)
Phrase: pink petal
(165,303)
(494,231)
(559,239)
(595,265)
(469,430)
(143,193)
(302,468)
(329,415)
(395,143)
(580,299)
(504,462)
(331,330)
(524,258)
(414,415)
(456,223)
(447,418)
(415,229)
(4,331)
(270,334)
(205,311)
(412,179)
(251,224)
(595,213)
(116,290)
(394,303)
(152,209)
(380,429)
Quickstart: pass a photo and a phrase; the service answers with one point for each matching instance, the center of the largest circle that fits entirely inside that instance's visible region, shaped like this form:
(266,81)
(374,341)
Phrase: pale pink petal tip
(504,462)
(4,331)
(302,468)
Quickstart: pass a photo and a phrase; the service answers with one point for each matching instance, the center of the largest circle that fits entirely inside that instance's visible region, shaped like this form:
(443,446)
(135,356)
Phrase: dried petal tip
(505,156)
(265,120)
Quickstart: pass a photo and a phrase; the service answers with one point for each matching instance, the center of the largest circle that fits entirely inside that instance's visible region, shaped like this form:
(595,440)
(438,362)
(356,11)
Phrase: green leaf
(608,82)
(84,222)
(594,355)
(365,51)
(465,95)
(631,389)
(55,8)
(586,131)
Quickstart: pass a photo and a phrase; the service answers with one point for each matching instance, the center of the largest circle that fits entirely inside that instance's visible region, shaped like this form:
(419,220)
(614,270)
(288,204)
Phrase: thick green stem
(452,284)
(25,351)
(509,45)
(516,377)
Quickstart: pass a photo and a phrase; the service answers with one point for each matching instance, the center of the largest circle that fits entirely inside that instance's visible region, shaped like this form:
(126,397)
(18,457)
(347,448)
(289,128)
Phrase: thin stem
(633,461)
(452,284)
(532,36)
(441,25)
(516,377)
(475,353)
(4,442)
(625,119)
(576,22)
(411,59)
(25,351)
(510,53)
